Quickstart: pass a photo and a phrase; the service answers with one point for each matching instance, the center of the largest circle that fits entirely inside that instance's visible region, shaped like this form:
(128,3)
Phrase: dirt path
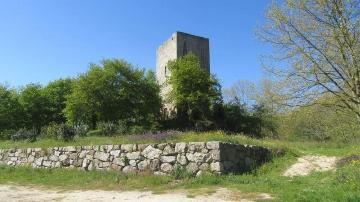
(15,193)
(307,164)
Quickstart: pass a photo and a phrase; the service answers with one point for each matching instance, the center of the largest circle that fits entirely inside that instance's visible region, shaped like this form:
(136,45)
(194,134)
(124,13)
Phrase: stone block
(133,156)
(180,147)
(166,167)
(151,153)
(192,168)
(196,146)
(101,156)
(127,147)
(167,159)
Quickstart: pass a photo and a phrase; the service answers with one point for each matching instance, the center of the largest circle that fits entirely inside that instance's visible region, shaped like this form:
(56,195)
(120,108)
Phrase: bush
(320,123)
(24,134)
(122,127)
(50,131)
(81,130)
(65,133)
(6,134)
(107,128)
(136,130)
(350,174)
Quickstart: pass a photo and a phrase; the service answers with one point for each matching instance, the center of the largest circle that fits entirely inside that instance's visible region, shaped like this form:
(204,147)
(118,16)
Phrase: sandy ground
(307,164)
(10,193)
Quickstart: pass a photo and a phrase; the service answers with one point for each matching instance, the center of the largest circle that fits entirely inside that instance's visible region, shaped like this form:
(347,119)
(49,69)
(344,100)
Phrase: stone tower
(178,45)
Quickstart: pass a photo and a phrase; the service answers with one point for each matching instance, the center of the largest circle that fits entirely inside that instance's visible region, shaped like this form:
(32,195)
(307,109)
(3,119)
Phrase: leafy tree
(11,113)
(35,105)
(194,92)
(252,108)
(112,91)
(319,122)
(320,42)
(56,91)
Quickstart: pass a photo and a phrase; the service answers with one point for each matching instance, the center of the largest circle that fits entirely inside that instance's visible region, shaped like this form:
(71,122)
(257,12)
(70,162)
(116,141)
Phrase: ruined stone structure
(161,159)
(178,45)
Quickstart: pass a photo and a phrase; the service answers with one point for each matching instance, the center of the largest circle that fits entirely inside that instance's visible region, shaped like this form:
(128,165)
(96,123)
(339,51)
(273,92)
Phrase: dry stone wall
(195,157)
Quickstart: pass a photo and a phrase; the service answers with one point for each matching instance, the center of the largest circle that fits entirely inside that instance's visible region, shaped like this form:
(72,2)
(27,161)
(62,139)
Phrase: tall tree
(35,105)
(194,92)
(320,40)
(56,91)
(11,114)
(112,91)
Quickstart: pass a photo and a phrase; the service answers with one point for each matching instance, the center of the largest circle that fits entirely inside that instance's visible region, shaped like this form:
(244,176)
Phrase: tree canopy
(112,91)
(194,91)
(320,43)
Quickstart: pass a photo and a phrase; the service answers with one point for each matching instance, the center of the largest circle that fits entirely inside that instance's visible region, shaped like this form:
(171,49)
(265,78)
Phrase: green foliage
(11,113)
(265,122)
(81,130)
(113,91)
(65,133)
(350,174)
(6,134)
(237,119)
(50,131)
(24,134)
(180,172)
(107,128)
(320,123)
(96,132)
(56,92)
(36,106)
(194,92)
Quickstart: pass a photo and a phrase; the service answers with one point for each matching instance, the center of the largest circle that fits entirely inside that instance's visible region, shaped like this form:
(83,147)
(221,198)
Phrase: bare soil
(16,193)
(307,164)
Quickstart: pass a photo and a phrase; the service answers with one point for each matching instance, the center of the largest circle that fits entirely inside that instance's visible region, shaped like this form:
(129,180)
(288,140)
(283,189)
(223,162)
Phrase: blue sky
(43,40)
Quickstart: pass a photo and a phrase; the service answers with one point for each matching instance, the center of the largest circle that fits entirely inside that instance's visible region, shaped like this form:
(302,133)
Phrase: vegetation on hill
(311,105)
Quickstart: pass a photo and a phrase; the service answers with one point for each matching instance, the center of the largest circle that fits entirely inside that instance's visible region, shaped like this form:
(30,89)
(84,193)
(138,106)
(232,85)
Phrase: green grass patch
(296,147)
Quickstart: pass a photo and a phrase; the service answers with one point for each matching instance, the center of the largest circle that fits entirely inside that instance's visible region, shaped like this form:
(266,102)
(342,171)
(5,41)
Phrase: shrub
(50,131)
(107,128)
(81,130)
(6,134)
(24,134)
(350,174)
(136,130)
(122,127)
(65,133)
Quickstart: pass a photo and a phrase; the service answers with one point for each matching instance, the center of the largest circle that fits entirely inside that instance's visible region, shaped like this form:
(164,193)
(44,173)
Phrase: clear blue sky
(44,40)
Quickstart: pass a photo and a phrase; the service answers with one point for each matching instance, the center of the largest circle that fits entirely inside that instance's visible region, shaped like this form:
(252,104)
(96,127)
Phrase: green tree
(56,91)
(11,114)
(194,92)
(319,122)
(35,105)
(112,91)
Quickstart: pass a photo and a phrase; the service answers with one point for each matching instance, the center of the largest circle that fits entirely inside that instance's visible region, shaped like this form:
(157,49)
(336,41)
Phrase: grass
(297,147)
(340,185)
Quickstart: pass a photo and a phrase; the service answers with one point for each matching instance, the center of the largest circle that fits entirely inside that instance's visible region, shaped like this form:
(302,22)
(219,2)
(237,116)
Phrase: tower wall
(178,45)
